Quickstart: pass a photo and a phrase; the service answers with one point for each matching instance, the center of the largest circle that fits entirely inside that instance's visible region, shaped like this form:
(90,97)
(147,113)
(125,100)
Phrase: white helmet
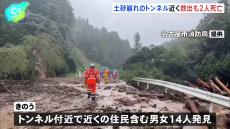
(92,65)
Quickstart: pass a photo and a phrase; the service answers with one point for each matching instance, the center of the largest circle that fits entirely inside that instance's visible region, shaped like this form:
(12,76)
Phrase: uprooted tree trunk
(193,108)
(215,86)
(204,84)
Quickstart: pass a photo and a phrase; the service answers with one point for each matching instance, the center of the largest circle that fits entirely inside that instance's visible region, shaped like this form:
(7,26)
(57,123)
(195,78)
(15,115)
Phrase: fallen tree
(217,80)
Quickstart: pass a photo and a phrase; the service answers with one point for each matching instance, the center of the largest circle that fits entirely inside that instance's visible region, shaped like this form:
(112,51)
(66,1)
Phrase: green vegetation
(158,62)
(212,54)
(14,62)
(51,42)
(185,59)
(38,43)
(44,50)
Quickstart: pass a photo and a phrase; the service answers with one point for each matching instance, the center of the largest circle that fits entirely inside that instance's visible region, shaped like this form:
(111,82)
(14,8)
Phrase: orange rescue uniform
(91,79)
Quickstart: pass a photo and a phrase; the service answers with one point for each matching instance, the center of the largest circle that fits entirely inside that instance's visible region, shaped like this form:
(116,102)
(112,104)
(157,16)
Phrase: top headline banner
(168,8)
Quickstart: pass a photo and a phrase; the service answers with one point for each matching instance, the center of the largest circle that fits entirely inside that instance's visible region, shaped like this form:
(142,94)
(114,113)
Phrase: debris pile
(214,85)
(64,95)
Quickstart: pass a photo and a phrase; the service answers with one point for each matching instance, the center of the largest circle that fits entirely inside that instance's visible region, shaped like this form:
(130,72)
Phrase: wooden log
(204,84)
(215,86)
(192,106)
(222,85)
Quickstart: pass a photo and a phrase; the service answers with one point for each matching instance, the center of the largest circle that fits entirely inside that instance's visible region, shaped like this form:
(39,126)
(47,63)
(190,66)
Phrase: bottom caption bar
(118,119)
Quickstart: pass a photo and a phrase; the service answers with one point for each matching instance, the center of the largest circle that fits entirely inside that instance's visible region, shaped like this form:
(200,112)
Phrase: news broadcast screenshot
(114,64)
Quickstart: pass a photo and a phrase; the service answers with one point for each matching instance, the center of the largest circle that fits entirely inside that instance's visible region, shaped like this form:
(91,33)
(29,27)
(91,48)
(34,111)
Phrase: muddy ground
(59,94)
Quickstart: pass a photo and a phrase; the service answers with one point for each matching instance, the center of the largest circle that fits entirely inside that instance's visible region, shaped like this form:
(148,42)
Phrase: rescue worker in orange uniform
(91,79)
(106,76)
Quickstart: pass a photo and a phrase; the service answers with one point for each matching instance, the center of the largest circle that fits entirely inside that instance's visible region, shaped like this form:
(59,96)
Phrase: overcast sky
(150,26)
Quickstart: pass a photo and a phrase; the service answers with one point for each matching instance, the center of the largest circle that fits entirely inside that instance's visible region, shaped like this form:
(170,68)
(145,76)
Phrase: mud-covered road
(61,94)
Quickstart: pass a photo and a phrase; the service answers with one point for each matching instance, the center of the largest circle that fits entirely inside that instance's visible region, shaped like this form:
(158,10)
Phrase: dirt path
(62,94)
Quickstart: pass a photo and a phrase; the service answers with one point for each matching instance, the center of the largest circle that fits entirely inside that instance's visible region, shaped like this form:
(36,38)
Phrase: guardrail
(204,95)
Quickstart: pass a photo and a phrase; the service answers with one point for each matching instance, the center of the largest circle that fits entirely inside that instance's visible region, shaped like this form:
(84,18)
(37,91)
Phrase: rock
(108,88)
(166,109)
(121,90)
(154,106)
(142,106)
(114,89)
(119,105)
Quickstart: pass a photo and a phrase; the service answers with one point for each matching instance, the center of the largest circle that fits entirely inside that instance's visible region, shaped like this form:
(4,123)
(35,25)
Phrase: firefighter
(91,79)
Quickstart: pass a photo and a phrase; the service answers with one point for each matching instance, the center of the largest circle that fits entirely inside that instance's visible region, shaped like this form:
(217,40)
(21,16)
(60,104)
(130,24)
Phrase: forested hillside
(186,59)
(99,45)
(51,42)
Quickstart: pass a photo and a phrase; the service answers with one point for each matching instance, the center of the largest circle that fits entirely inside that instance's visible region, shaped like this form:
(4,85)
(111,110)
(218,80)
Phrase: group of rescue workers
(92,77)
(108,75)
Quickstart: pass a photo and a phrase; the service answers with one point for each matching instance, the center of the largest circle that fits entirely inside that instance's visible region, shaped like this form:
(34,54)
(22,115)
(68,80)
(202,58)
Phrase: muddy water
(6,118)
(65,94)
